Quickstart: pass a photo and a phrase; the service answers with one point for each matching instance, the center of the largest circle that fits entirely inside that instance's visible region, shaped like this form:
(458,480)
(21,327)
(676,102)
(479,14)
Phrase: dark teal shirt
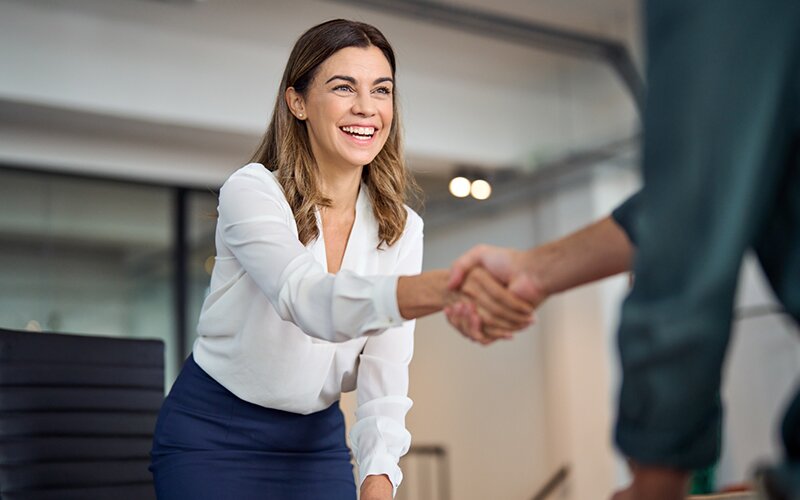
(721,174)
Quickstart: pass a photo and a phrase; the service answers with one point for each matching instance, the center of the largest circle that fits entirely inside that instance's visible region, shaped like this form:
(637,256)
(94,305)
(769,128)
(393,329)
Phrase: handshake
(490,293)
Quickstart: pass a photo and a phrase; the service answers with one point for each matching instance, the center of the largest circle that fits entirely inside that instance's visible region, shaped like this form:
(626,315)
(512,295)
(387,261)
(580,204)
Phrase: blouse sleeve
(254,227)
(379,438)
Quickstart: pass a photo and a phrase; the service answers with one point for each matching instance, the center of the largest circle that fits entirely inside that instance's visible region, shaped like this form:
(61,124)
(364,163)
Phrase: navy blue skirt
(209,444)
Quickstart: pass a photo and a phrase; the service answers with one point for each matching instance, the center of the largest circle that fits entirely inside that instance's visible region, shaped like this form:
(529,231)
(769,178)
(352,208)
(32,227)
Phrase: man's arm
(597,251)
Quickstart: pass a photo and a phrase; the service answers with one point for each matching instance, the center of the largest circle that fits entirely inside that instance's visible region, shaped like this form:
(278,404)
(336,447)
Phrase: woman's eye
(383,90)
(343,88)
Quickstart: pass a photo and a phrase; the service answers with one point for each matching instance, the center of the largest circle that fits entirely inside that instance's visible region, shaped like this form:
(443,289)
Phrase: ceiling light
(480,189)
(459,187)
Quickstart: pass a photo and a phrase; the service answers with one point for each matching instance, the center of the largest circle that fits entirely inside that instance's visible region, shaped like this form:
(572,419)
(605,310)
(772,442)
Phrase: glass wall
(97,257)
(201,224)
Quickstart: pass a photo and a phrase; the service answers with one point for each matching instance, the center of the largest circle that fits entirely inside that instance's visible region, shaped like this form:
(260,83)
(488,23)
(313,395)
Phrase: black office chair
(77,415)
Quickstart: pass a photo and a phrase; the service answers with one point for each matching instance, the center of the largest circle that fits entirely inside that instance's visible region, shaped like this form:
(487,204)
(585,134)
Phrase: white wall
(483,404)
(761,376)
(580,327)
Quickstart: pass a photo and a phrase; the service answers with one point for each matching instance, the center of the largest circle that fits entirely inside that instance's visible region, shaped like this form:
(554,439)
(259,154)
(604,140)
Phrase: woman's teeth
(364,132)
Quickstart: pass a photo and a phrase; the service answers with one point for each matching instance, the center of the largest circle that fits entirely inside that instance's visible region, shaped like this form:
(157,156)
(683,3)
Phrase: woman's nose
(363,105)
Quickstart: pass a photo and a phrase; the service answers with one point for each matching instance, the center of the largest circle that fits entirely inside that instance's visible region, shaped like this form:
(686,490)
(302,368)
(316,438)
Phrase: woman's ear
(296,103)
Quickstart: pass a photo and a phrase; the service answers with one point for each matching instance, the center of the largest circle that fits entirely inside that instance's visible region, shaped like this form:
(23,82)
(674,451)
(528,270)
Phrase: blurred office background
(119,120)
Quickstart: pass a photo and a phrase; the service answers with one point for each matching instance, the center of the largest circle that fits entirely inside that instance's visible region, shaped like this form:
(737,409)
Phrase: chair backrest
(77,415)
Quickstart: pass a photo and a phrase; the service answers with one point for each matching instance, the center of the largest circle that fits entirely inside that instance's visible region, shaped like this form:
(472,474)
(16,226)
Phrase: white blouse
(279,331)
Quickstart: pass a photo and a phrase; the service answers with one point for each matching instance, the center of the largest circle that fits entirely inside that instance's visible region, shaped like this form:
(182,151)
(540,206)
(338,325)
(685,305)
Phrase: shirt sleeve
(625,215)
(254,227)
(379,437)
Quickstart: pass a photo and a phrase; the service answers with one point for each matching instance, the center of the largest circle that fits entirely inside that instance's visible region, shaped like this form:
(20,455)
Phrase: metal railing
(552,485)
(426,474)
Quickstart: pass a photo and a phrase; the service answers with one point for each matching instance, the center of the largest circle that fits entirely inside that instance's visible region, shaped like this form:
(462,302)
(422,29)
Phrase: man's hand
(506,265)
(376,488)
(655,483)
(484,310)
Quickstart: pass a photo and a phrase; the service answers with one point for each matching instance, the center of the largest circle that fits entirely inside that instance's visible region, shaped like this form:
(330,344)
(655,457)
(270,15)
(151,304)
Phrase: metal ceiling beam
(538,35)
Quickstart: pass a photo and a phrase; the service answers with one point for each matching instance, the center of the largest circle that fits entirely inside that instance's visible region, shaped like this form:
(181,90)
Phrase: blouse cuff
(378,442)
(377,465)
(367,301)
(386,300)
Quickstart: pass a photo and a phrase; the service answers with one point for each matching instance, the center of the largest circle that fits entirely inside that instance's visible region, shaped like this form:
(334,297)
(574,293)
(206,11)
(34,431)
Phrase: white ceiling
(210,68)
(278,23)
(599,17)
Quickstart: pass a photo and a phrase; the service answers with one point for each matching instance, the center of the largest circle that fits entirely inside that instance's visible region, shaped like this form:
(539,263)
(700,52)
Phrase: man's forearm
(589,254)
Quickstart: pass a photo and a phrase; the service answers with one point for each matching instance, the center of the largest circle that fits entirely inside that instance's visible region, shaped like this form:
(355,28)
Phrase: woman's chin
(360,160)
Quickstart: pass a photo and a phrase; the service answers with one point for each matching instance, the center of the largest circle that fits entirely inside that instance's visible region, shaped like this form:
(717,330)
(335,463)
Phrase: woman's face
(348,107)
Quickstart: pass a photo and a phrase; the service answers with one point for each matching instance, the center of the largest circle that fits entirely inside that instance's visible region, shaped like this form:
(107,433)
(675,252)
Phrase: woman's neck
(341,187)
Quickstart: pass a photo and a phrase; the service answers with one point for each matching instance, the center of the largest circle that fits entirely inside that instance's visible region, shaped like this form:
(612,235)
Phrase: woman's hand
(377,488)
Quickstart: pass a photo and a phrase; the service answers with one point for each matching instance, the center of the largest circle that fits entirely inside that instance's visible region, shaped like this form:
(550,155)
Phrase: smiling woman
(317,273)
(338,80)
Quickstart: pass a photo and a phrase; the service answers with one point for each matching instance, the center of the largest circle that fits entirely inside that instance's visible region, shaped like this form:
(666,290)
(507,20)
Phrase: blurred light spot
(33,326)
(459,187)
(208,265)
(481,189)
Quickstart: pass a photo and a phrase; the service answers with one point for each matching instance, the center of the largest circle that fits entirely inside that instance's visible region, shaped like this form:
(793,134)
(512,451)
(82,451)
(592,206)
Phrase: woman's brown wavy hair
(286,150)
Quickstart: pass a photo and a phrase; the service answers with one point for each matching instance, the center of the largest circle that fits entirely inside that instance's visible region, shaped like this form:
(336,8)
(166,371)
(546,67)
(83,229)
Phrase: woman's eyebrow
(354,81)
(342,77)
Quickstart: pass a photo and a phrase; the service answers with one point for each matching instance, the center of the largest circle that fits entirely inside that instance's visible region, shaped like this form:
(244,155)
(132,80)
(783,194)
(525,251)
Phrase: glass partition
(90,256)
